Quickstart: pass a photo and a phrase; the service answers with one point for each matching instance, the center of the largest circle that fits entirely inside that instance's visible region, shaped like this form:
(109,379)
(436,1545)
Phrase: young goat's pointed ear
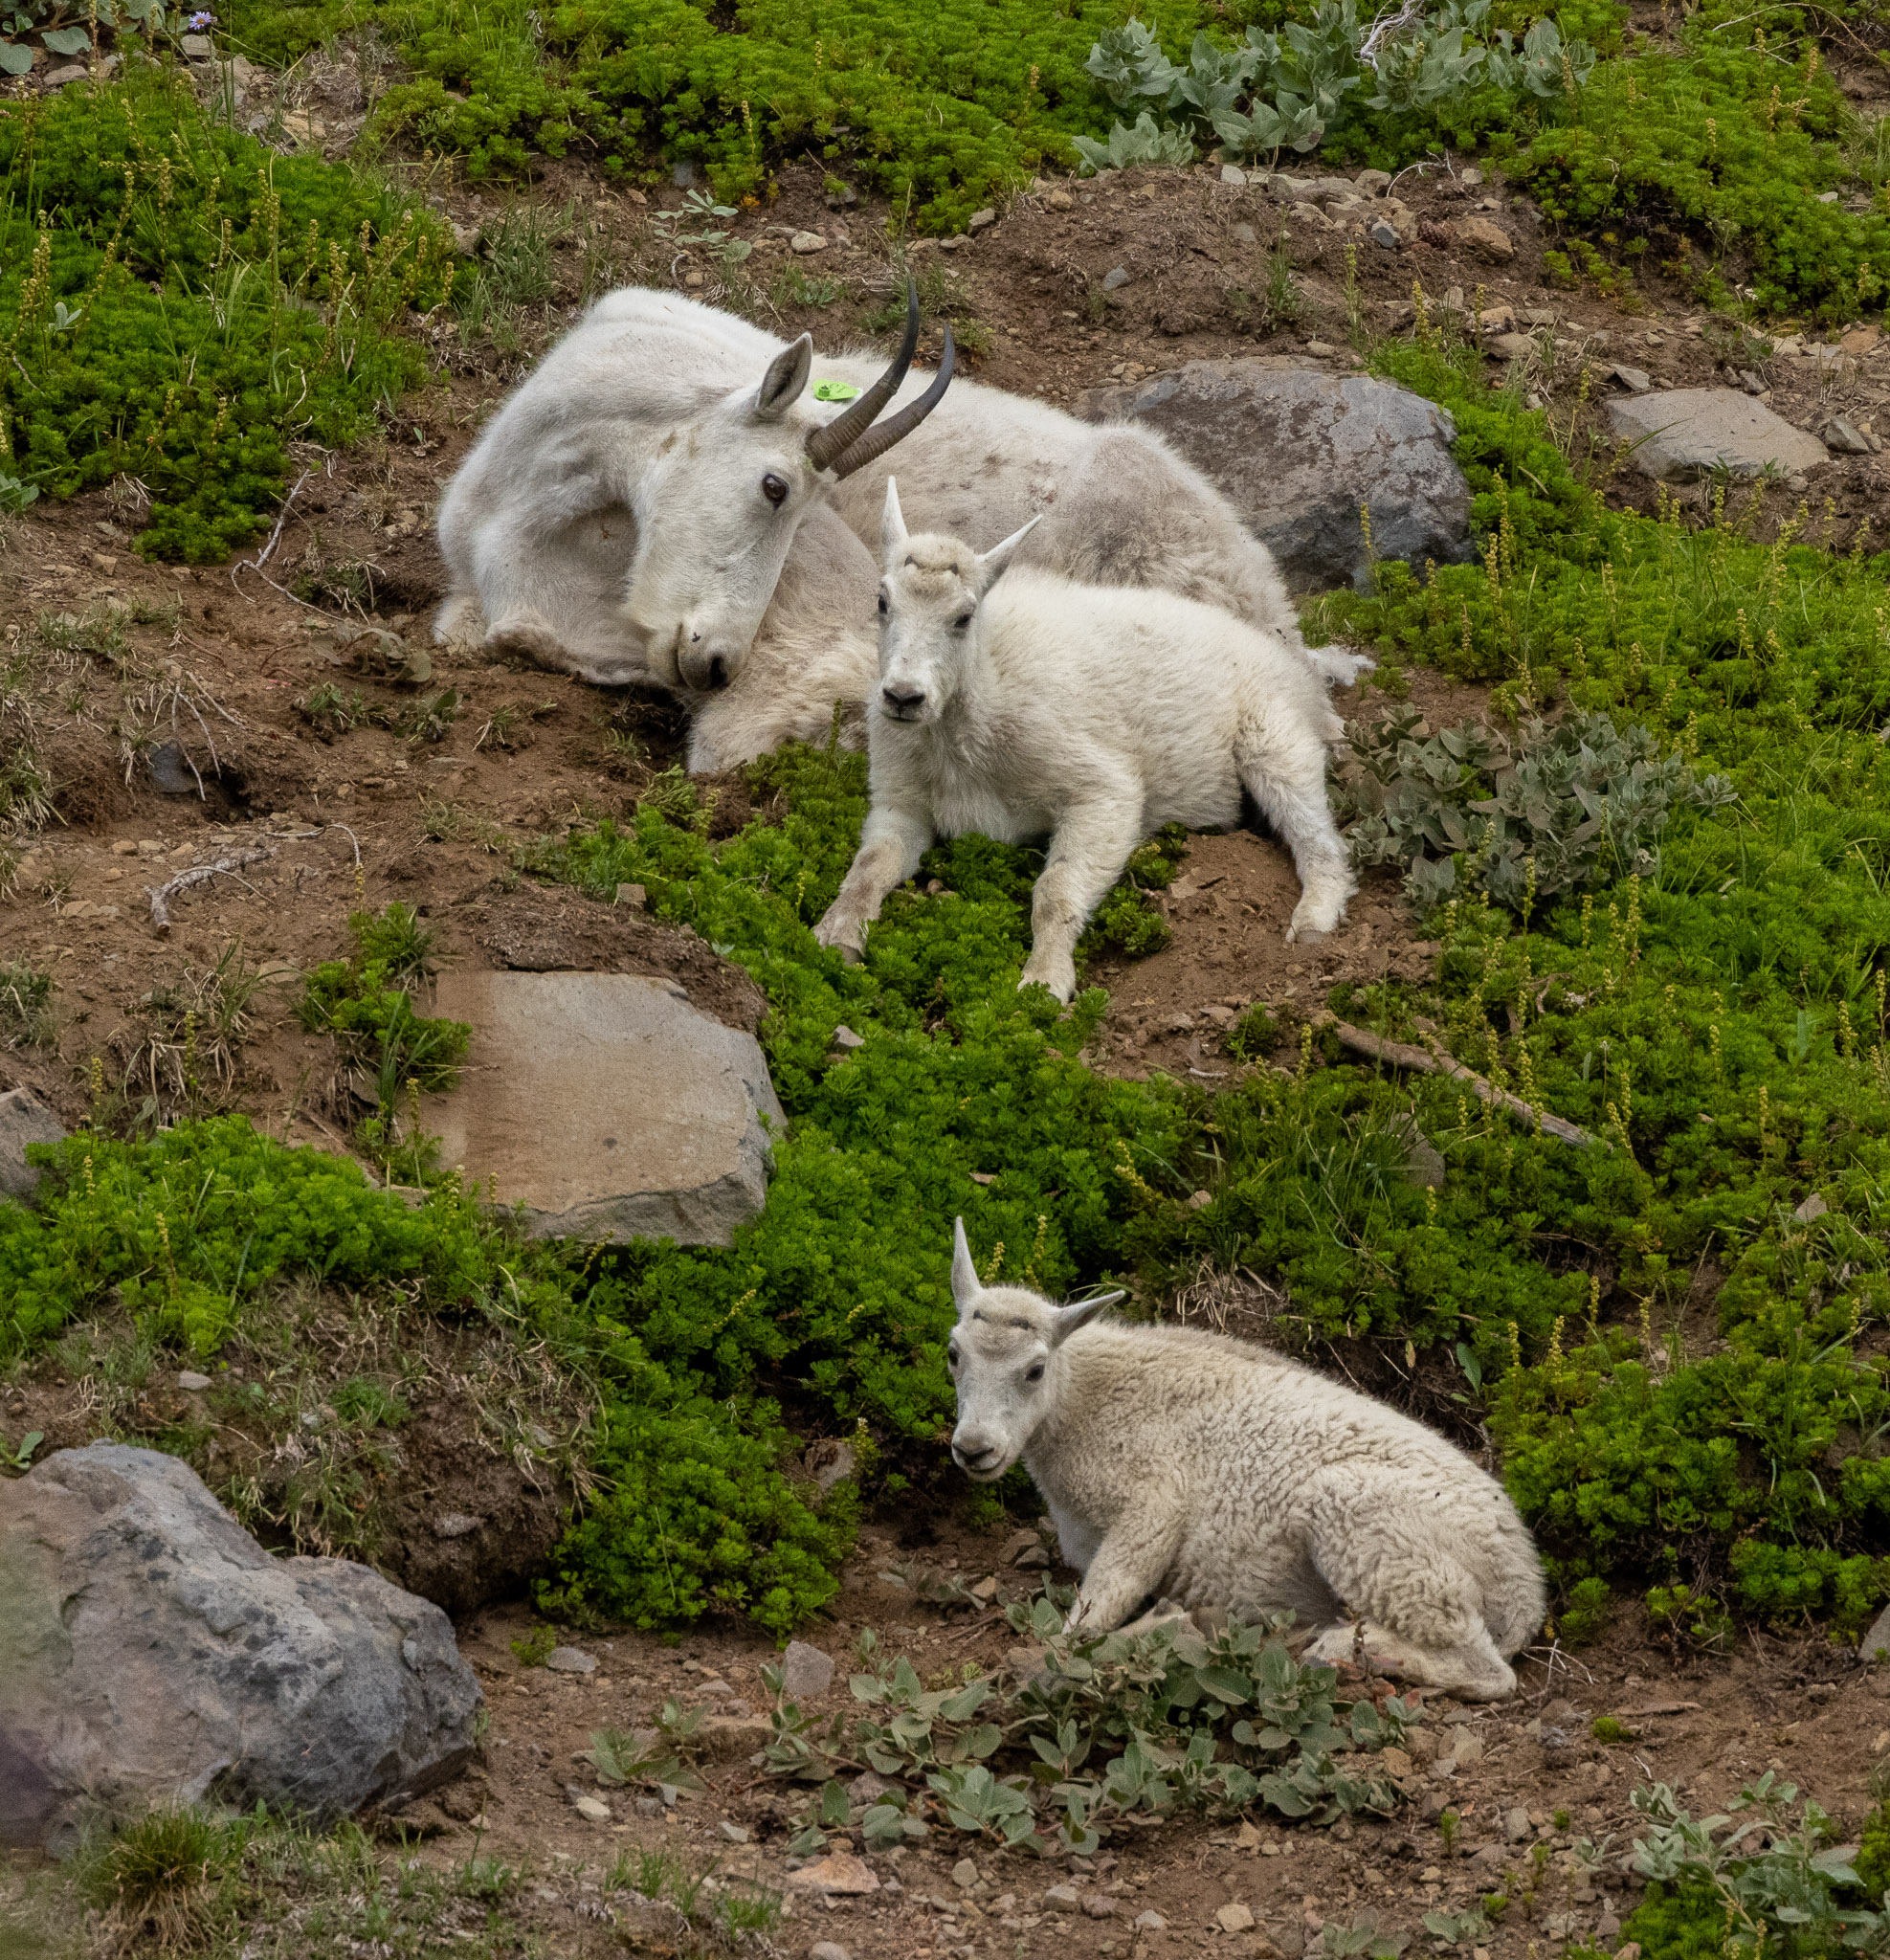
(990,565)
(1078,1314)
(965,1287)
(786,376)
(891,519)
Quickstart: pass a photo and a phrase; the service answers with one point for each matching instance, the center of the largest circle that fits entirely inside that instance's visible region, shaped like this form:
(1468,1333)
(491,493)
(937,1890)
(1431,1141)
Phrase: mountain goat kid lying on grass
(1096,713)
(1189,1465)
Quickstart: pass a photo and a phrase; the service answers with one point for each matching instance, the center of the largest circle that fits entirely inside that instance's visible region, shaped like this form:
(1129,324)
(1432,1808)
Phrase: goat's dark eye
(884,608)
(774,488)
(962,620)
(1034,1374)
(951,1356)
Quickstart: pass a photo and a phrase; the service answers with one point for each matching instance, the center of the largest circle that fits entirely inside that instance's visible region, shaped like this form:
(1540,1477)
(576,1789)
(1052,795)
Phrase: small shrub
(1583,1618)
(156,1875)
(26,1005)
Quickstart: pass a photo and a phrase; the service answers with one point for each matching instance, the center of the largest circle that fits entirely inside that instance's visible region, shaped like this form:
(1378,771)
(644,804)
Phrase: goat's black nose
(717,671)
(903,701)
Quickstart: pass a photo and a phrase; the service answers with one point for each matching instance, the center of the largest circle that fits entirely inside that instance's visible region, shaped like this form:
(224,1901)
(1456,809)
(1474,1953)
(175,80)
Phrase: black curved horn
(826,443)
(882,436)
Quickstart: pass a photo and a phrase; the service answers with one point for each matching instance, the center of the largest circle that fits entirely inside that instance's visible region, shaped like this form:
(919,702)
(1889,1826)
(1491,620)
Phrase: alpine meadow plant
(178,303)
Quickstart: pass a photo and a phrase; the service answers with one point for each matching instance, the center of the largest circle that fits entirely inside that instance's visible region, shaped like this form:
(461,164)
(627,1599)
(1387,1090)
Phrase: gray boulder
(24,1119)
(156,1654)
(607,1107)
(1299,451)
(1684,432)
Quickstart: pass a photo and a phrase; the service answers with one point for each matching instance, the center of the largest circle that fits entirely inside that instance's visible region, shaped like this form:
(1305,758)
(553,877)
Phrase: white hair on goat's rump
(1185,1466)
(1015,703)
(616,519)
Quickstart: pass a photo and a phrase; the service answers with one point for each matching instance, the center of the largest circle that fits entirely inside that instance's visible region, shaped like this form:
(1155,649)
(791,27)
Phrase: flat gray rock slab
(1299,451)
(23,1119)
(155,1654)
(1683,433)
(607,1107)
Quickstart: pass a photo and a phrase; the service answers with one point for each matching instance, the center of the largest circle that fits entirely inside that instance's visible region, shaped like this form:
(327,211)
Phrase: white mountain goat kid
(1095,713)
(1187,1465)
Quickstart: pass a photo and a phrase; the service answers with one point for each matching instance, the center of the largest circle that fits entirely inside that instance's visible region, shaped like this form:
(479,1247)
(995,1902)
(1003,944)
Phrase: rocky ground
(283,727)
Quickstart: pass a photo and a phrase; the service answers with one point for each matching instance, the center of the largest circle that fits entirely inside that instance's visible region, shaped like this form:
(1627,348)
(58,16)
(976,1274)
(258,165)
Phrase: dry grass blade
(1434,1062)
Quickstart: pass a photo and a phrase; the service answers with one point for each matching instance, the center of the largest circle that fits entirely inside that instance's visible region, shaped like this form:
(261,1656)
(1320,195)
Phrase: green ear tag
(835,391)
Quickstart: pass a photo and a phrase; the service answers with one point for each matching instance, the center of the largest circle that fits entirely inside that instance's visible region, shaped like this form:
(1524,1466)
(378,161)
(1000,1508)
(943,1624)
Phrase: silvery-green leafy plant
(1575,803)
(1274,92)
(58,26)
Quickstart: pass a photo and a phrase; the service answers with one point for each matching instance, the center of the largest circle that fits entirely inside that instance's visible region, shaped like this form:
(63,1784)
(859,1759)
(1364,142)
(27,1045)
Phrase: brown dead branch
(198,874)
(1433,1061)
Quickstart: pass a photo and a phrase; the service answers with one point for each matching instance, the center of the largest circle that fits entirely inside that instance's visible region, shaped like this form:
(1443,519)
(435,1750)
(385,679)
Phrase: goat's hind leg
(1284,770)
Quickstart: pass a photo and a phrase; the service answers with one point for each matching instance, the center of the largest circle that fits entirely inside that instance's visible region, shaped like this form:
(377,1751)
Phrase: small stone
(1233,173)
(979,219)
(1814,1207)
(845,1037)
(736,1834)
(1373,183)
(570,1660)
(964,1875)
(190,1381)
(195,47)
(867,1788)
(1510,346)
(985,1589)
(1062,1898)
(806,1672)
(1115,280)
(1843,437)
(828,1949)
(1321,350)
(1384,235)
(1198,1201)
(1473,178)
(124,848)
(1060,200)
(62,77)
(1515,1825)
(1487,239)
(1634,379)
(592,1807)
(1151,1923)
(1243,234)
(838,1875)
(149,847)
(1100,1905)
(1234,1917)
(1398,1764)
(456,1524)
(1032,1561)
(806,242)
(631,895)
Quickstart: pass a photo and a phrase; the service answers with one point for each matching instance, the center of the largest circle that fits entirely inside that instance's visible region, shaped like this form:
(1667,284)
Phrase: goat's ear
(782,385)
(965,1287)
(891,519)
(991,564)
(1078,1314)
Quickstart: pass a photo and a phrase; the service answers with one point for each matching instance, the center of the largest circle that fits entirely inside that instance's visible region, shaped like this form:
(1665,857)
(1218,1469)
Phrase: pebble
(806,1672)
(456,1524)
(1060,200)
(1061,1898)
(736,1834)
(1100,1905)
(592,1807)
(1151,1923)
(979,219)
(1635,380)
(828,1949)
(1234,1917)
(845,1037)
(1114,279)
(1243,234)
(840,1873)
(1233,173)
(190,1381)
(1515,1825)
(964,1875)
(631,895)
(1383,233)
(570,1660)
(804,242)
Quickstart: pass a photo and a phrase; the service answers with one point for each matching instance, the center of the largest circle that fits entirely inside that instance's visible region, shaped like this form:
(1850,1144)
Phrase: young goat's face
(1004,1361)
(929,594)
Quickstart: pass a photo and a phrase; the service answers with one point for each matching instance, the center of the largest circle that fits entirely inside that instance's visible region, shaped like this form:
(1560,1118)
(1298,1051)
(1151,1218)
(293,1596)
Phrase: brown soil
(421,803)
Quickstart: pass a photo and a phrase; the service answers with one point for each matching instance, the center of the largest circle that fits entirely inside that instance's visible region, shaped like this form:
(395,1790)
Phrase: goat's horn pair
(844,444)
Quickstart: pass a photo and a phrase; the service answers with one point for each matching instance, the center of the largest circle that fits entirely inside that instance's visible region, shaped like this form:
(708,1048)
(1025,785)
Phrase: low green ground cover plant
(178,304)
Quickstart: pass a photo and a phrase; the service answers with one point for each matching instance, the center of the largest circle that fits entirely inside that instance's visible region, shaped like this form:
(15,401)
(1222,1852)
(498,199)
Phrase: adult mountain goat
(1189,1465)
(1030,705)
(631,514)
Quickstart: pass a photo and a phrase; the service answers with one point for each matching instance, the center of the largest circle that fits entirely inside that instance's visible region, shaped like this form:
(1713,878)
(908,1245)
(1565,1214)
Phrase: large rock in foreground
(155,1654)
(1684,433)
(1299,451)
(23,1120)
(607,1107)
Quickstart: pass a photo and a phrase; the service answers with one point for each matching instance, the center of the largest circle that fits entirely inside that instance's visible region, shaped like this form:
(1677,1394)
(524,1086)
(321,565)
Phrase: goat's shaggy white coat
(1094,714)
(611,521)
(1190,1466)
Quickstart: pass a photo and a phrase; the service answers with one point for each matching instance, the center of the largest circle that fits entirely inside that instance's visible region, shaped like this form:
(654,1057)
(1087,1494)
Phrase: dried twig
(198,874)
(1433,1062)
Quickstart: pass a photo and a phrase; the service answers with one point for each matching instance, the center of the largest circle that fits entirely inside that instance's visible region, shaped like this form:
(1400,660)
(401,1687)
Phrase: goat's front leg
(1092,844)
(891,844)
(1134,1558)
